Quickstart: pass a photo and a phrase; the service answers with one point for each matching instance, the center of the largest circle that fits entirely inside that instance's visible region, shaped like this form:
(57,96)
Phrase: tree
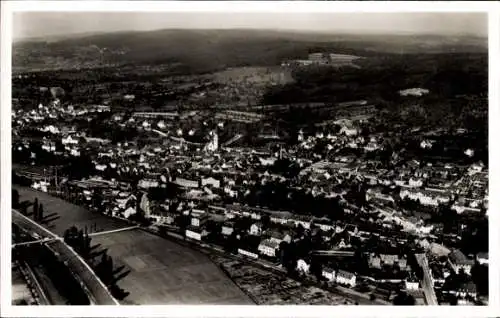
(40,212)
(15,198)
(404,299)
(35,209)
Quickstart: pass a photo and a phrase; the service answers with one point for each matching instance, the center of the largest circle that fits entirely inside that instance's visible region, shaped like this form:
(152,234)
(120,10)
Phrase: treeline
(104,269)
(445,75)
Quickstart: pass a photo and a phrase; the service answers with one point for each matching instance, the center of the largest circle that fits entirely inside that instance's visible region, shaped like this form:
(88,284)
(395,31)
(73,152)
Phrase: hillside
(207,50)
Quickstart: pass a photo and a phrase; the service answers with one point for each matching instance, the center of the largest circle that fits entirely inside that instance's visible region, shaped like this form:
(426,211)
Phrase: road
(96,291)
(427,285)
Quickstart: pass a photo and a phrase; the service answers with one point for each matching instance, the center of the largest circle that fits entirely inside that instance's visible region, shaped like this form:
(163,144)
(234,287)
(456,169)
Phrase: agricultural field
(254,75)
(163,272)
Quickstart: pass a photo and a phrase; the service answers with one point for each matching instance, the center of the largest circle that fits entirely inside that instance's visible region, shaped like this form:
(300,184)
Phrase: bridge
(96,291)
(427,284)
(41,241)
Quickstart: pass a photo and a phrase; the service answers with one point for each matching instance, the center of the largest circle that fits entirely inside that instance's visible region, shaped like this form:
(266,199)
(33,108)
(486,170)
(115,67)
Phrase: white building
(412,285)
(346,278)
(482,258)
(268,248)
(247,253)
(213,144)
(426,197)
(148,183)
(196,234)
(302,266)
(227,229)
(69,141)
(255,229)
(128,212)
(328,273)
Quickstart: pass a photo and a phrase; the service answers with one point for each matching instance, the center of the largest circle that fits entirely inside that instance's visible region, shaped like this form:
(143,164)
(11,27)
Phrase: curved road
(96,291)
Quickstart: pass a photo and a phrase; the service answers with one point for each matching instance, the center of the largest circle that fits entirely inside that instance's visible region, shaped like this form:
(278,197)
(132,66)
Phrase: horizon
(45,25)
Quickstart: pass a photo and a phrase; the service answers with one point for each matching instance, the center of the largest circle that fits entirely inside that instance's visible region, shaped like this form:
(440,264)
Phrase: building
(346,278)
(196,233)
(165,115)
(412,284)
(199,220)
(302,266)
(144,205)
(211,182)
(459,261)
(213,144)
(328,273)
(268,248)
(255,229)
(128,212)
(316,57)
(247,253)
(228,228)
(280,237)
(482,258)
(148,183)
(430,197)
(69,141)
(467,289)
(186,183)
(239,116)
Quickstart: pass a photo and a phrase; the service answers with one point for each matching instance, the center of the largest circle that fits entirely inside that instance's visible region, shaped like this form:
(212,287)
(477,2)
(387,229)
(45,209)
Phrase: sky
(46,24)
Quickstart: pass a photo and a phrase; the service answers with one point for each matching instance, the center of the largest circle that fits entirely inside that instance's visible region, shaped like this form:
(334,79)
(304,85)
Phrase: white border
(7,7)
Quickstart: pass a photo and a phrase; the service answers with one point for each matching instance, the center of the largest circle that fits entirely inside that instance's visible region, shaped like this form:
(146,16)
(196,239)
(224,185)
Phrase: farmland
(163,272)
(158,271)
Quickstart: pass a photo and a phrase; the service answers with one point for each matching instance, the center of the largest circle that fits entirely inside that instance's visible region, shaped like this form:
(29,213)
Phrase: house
(170,218)
(302,266)
(388,259)
(458,261)
(328,273)
(430,197)
(228,228)
(69,141)
(186,183)
(255,229)
(128,212)
(148,183)
(196,233)
(467,289)
(280,237)
(374,261)
(199,219)
(268,247)
(211,182)
(412,284)
(346,278)
(482,258)
(278,219)
(247,253)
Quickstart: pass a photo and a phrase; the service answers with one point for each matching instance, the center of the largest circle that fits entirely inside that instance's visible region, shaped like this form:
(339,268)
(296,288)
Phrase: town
(375,197)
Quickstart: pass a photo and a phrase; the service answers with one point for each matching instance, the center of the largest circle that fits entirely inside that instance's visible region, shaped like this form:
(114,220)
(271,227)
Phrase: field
(162,272)
(159,271)
(254,75)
